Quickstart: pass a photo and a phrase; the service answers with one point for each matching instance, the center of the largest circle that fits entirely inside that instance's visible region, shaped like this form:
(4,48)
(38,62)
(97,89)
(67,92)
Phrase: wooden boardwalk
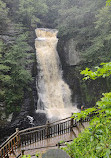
(49,143)
(41,138)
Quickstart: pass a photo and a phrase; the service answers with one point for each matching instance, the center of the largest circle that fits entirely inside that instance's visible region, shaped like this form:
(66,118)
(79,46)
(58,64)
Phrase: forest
(89,24)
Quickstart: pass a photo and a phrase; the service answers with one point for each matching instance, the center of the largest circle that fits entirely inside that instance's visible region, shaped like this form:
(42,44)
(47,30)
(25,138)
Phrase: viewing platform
(41,138)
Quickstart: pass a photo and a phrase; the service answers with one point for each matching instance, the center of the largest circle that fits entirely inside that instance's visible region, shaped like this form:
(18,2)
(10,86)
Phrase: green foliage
(26,156)
(84,114)
(17,58)
(80,20)
(29,11)
(105,102)
(4,77)
(37,154)
(76,18)
(3,15)
(87,22)
(62,141)
(15,76)
(95,141)
(104,70)
(99,49)
(108,2)
(16,17)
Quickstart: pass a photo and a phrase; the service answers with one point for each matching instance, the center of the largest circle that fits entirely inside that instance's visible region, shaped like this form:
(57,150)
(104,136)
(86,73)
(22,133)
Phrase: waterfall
(54,95)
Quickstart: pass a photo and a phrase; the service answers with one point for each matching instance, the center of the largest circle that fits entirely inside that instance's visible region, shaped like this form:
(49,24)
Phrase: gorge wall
(83,92)
(54,96)
(76,21)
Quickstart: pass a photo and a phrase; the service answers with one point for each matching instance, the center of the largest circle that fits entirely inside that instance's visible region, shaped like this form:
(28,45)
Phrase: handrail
(35,134)
(19,155)
(49,130)
(37,127)
(28,132)
(60,120)
(42,147)
(29,129)
(10,144)
(12,141)
(8,139)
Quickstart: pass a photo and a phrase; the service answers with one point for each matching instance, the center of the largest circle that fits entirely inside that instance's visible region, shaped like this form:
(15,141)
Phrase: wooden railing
(58,145)
(39,133)
(10,145)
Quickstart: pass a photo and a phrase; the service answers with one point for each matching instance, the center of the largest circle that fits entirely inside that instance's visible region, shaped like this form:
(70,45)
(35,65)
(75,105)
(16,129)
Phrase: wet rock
(55,153)
(72,56)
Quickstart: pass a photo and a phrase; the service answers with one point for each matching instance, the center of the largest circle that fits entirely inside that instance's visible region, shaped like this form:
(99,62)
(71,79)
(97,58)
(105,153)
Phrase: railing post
(17,130)
(71,125)
(47,129)
(18,137)
(23,152)
(58,144)
(1,153)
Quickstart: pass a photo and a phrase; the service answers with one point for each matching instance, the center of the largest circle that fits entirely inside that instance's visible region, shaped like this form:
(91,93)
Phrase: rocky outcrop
(83,92)
(70,59)
(72,56)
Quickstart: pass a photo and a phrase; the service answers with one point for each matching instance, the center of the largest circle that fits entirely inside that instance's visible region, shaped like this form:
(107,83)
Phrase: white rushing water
(54,95)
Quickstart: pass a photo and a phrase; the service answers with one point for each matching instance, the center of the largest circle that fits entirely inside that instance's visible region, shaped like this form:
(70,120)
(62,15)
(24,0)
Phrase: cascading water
(54,95)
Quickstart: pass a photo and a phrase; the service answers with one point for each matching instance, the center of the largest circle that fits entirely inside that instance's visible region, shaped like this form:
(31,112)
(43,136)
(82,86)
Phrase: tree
(95,140)
(30,11)
(15,75)
(3,16)
(4,69)
(100,50)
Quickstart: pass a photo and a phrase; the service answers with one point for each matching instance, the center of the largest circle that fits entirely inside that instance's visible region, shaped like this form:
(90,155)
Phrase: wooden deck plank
(49,143)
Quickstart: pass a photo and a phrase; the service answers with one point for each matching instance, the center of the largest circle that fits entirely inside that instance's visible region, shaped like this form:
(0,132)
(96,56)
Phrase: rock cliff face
(72,56)
(83,92)
(70,59)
